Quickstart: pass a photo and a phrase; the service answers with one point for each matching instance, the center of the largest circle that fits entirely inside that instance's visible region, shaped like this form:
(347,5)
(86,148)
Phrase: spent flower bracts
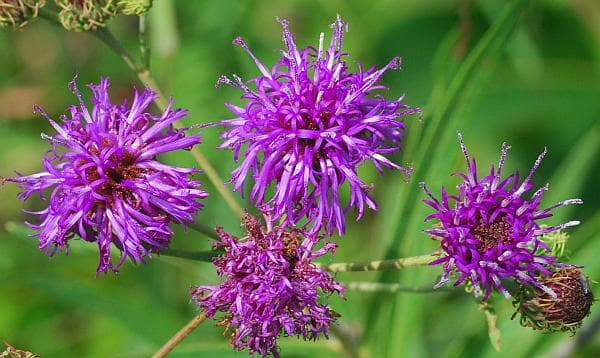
(107,185)
(307,126)
(566,311)
(271,286)
(490,231)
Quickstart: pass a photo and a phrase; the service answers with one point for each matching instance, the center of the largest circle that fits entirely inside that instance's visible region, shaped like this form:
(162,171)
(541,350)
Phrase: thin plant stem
(367,286)
(204,256)
(49,15)
(143,38)
(146,78)
(180,336)
(348,342)
(394,264)
(204,230)
(104,35)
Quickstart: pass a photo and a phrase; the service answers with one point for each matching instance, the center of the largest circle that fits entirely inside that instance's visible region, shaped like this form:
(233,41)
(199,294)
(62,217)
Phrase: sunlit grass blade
(569,178)
(441,126)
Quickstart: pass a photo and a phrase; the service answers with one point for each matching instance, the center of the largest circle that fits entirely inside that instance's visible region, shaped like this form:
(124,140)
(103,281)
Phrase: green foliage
(527,74)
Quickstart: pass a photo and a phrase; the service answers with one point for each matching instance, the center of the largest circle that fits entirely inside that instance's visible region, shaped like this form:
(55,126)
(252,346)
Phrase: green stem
(367,286)
(49,15)
(143,36)
(348,341)
(204,256)
(104,35)
(204,229)
(395,264)
(180,335)
(146,78)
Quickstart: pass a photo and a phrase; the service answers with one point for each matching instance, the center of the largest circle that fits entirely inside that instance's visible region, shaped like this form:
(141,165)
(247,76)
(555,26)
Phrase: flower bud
(134,7)
(565,312)
(18,13)
(85,15)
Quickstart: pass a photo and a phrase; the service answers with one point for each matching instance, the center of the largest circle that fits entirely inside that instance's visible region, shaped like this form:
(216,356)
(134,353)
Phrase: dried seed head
(565,312)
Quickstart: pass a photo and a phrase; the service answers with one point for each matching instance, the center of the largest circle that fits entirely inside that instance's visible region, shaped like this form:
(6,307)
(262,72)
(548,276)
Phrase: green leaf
(570,176)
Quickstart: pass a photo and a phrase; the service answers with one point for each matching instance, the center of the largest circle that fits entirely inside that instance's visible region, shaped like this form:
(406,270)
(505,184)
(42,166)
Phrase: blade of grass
(569,178)
(439,126)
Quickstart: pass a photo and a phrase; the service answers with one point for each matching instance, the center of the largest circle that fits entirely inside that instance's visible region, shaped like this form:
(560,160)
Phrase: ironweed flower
(271,287)
(18,13)
(307,126)
(491,231)
(107,185)
(566,311)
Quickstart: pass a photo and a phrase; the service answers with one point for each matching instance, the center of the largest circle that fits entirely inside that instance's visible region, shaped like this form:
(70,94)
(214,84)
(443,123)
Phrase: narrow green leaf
(441,124)
(570,176)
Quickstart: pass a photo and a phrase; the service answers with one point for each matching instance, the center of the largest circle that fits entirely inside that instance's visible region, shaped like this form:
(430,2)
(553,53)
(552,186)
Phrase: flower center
(291,242)
(489,235)
(115,175)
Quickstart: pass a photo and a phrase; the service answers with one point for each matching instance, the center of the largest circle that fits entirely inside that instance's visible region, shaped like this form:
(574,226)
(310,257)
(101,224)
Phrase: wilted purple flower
(306,128)
(108,187)
(271,287)
(491,232)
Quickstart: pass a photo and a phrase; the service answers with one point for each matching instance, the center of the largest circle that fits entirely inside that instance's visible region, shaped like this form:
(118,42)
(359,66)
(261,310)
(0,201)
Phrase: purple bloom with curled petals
(307,126)
(107,185)
(490,231)
(271,287)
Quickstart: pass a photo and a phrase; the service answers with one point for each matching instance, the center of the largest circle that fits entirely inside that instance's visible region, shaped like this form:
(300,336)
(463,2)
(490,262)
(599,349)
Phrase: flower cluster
(307,127)
(107,186)
(271,286)
(489,231)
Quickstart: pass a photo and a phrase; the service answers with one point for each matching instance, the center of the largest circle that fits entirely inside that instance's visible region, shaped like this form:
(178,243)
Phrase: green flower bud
(134,7)
(557,242)
(85,15)
(565,312)
(18,13)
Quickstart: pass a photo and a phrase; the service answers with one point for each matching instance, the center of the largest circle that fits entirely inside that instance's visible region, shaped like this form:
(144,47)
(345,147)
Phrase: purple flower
(491,232)
(271,287)
(107,186)
(306,128)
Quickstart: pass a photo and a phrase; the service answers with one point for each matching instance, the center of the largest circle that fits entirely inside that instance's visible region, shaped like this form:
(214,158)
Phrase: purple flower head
(271,286)
(491,231)
(307,126)
(107,185)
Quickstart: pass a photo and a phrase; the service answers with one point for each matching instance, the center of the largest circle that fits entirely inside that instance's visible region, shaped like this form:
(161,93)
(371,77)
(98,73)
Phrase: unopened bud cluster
(86,15)
(134,7)
(18,13)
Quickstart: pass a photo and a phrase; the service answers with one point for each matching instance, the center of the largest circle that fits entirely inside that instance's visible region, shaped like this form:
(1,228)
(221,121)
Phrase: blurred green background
(541,88)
